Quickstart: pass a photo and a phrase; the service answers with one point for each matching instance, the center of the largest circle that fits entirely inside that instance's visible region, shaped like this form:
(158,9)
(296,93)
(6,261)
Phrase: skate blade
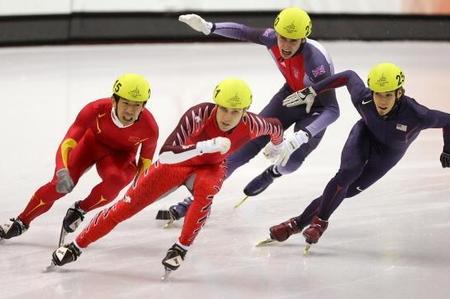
(169,224)
(241,202)
(166,274)
(62,237)
(307,248)
(264,242)
(50,268)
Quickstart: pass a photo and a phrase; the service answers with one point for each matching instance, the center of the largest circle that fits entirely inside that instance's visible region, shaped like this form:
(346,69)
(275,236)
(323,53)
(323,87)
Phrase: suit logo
(401,127)
(364,102)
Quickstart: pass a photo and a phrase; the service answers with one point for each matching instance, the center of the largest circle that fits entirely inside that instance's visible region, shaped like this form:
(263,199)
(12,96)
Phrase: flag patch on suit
(401,127)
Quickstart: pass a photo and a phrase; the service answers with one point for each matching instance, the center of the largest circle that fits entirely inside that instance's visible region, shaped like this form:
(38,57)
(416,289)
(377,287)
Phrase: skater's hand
(64,182)
(197,23)
(290,144)
(445,159)
(303,97)
(272,151)
(214,145)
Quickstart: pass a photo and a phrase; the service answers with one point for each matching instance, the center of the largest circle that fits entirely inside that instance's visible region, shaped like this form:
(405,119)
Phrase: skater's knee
(292,165)
(348,175)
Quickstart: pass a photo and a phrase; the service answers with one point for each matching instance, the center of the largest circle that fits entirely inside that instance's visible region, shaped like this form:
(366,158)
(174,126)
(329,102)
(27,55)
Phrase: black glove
(445,159)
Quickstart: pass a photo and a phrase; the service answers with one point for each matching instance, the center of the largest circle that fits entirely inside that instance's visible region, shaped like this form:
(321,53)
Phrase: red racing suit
(203,174)
(94,138)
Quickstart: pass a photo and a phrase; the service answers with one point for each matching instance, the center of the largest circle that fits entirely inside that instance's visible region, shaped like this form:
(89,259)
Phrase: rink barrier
(81,28)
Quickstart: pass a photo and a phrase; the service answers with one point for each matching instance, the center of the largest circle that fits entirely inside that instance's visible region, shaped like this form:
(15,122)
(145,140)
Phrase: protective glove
(197,23)
(218,144)
(303,97)
(291,143)
(272,151)
(445,160)
(64,182)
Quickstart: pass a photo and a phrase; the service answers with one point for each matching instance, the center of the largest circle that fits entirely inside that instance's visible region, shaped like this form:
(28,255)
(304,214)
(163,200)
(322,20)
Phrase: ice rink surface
(391,241)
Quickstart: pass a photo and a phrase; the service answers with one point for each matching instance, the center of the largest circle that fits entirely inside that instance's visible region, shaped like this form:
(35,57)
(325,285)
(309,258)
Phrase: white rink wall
(31,7)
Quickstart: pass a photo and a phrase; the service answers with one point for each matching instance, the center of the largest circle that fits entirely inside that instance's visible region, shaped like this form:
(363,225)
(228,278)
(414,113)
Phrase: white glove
(197,23)
(290,144)
(272,151)
(304,96)
(218,144)
(64,182)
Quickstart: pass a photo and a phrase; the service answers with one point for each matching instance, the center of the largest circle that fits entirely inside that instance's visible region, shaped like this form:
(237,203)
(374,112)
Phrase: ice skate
(74,217)
(169,215)
(175,212)
(65,254)
(261,182)
(166,274)
(313,233)
(12,229)
(265,242)
(281,232)
(173,259)
(241,202)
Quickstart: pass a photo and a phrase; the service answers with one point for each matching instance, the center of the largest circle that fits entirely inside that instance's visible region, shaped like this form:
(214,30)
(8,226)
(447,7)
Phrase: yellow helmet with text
(293,23)
(132,87)
(385,77)
(233,93)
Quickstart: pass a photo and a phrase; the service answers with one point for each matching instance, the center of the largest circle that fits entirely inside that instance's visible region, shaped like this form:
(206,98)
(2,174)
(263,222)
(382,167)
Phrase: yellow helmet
(233,93)
(132,87)
(293,23)
(385,77)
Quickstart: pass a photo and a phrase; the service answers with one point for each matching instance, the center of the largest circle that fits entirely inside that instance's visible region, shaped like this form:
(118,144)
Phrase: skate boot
(175,255)
(315,230)
(283,231)
(74,217)
(12,229)
(65,254)
(261,182)
(175,212)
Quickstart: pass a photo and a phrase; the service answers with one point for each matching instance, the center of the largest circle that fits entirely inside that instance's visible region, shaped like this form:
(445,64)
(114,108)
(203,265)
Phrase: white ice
(391,241)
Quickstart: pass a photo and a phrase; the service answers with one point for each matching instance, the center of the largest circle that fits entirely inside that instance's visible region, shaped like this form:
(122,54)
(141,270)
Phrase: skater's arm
(73,135)
(228,29)
(148,146)
(259,126)
(349,78)
(439,119)
(242,32)
(215,145)
(178,147)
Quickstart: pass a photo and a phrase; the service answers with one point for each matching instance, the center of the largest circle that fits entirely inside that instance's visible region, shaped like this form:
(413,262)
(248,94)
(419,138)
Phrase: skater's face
(385,101)
(127,111)
(288,47)
(228,118)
